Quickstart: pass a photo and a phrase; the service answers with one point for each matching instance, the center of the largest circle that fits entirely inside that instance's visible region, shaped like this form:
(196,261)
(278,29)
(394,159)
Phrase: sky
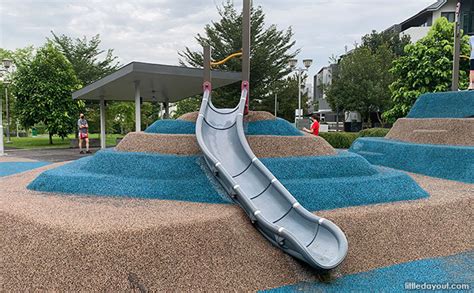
(156,30)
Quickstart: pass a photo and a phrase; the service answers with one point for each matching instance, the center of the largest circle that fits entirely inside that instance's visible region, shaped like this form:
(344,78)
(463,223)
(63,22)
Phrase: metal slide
(269,205)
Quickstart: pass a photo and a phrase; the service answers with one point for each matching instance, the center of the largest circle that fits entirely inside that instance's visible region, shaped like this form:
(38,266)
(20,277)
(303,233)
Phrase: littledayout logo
(436,286)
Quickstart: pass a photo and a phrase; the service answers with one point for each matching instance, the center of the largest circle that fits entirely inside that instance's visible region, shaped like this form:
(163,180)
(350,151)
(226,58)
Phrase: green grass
(42,141)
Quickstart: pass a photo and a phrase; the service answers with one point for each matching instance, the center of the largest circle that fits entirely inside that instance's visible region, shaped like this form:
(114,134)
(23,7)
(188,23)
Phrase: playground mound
(436,138)
(67,243)
(262,145)
(448,131)
(444,105)
(442,161)
(252,116)
(148,215)
(254,126)
(342,180)
(169,166)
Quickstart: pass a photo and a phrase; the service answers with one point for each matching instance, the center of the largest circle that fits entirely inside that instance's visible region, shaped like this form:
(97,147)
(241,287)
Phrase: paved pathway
(48,154)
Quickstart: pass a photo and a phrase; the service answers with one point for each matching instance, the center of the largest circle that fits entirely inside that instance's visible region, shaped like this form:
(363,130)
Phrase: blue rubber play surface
(318,183)
(263,127)
(442,161)
(429,274)
(444,105)
(10,168)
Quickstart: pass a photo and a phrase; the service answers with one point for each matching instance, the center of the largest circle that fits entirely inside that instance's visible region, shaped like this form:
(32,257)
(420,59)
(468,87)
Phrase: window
(448,15)
(467,22)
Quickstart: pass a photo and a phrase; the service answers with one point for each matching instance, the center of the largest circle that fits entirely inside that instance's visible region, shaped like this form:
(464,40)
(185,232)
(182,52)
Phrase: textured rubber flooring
(90,243)
(435,274)
(261,127)
(449,162)
(444,105)
(263,146)
(319,183)
(445,131)
(9,168)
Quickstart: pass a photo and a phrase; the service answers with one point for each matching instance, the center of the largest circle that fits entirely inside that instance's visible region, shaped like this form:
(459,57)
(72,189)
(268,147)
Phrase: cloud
(156,30)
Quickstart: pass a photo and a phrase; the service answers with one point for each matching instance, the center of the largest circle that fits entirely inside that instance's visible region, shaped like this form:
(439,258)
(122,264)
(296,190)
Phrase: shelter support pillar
(102,123)
(166,105)
(138,116)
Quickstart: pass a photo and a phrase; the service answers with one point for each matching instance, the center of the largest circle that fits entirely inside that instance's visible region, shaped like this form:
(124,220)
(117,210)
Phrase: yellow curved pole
(216,63)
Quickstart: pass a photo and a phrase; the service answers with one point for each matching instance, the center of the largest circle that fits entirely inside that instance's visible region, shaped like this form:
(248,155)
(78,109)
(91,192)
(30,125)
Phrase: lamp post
(7,63)
(2,149)
(299,70)
(457,48)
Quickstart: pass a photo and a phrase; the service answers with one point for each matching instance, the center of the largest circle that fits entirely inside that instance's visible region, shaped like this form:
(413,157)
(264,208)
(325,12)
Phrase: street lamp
(7,63)
(292,63)
(2,150)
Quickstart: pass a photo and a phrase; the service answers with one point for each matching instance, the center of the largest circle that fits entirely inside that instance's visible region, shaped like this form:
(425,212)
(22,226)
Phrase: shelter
(138,81)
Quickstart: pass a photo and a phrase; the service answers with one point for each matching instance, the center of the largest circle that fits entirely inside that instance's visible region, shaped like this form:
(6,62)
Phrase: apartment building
(419,24)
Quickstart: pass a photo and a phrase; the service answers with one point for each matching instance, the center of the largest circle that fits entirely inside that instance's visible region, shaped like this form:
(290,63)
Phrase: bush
(374,132)
(344,140)
(339,140)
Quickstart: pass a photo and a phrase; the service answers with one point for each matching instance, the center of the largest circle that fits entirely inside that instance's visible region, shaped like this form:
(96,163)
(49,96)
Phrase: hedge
(344,140)
(374,132)
(340,140)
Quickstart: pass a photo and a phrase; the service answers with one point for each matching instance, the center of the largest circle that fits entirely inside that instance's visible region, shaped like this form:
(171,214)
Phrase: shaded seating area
(139,82)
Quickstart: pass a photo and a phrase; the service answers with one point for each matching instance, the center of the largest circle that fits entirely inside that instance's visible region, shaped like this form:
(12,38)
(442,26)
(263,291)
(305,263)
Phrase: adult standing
(83,133)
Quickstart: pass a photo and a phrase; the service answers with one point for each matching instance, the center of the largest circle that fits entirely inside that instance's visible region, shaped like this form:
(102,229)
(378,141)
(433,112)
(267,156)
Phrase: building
(321,80)
(418,25)
(307,89)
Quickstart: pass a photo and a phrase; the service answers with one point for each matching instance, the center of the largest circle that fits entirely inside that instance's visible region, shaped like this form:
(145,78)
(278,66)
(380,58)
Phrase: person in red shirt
(314,125)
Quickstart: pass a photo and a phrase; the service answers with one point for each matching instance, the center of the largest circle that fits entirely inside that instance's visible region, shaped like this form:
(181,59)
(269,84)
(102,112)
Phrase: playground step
(442,161)
(319,183)
(262,145)
(441,131)
(366,153)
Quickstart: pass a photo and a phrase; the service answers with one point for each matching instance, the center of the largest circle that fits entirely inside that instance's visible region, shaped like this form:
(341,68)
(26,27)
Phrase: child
(314,125)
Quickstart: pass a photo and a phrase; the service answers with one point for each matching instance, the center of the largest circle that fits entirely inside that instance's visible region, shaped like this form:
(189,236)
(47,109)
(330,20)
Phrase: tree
(361,82)
(426,67)
(120,117)
(270,53)
(389,38)
(19,57)
(187,105)
(362,79)
(287,95)
(90,63)
(84,57)
(43,90)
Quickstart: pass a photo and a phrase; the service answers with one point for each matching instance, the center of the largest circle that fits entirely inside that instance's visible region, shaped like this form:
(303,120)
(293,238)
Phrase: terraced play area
(152,217)
(436,138)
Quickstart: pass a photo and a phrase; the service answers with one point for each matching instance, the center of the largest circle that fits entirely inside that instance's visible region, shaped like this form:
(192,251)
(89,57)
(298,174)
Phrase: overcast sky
(155,30)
